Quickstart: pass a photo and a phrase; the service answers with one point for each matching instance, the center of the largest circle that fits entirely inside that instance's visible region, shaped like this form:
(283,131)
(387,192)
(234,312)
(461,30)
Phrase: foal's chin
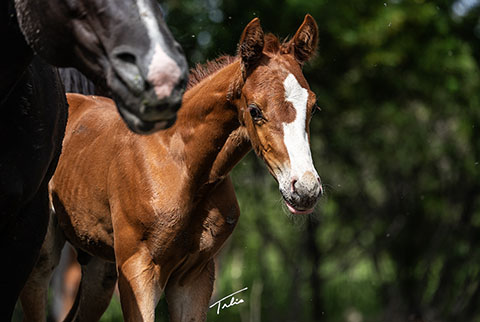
(299,208)
(299,218)
(296,211)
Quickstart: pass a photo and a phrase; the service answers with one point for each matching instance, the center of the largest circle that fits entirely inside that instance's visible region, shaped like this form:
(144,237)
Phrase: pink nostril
(292,185)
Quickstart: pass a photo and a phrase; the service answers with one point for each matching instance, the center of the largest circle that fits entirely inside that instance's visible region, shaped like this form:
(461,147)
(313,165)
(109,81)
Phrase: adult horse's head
(276,107)
(123,44)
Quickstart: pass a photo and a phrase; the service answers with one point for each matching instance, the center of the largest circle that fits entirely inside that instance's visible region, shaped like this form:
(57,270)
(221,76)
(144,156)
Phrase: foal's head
(123,44)
(276,105)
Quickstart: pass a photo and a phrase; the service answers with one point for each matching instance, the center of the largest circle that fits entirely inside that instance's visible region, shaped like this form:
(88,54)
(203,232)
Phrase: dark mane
(75,82)
(201,71)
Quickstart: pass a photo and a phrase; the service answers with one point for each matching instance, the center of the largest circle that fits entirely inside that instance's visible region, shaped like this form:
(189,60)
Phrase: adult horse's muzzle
(152,92)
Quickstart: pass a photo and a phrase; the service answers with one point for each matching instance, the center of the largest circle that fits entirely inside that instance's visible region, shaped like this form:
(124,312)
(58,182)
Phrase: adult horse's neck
(209,127)
(16,54)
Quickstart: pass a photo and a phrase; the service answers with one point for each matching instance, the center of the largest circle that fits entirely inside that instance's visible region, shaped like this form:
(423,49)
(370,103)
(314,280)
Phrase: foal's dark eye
(255,112)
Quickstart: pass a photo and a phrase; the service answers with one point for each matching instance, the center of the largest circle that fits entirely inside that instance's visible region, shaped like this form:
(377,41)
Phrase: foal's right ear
(305,41)
(251,44)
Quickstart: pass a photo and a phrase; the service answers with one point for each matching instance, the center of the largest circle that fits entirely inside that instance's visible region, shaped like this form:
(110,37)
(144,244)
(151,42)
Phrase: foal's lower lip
(298,212)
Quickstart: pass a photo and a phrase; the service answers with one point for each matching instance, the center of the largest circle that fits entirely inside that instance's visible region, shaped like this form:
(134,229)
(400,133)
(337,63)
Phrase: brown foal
(155,210)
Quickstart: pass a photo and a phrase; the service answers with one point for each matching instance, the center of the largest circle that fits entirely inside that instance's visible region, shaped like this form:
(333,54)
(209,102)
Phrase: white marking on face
(163,71)
(149,22)
(295,134)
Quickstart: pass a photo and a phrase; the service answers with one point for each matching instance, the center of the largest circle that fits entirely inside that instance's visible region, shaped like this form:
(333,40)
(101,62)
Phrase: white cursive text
(233,301)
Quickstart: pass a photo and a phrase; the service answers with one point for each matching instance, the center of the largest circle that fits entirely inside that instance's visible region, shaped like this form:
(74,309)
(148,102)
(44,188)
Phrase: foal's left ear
(304,43)
(251,44)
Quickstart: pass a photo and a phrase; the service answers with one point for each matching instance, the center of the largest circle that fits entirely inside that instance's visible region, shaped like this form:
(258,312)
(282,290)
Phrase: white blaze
(163,71)
(295,134)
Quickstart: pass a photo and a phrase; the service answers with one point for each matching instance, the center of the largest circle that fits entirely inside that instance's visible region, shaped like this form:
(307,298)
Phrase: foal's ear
(251,44)
(304,43)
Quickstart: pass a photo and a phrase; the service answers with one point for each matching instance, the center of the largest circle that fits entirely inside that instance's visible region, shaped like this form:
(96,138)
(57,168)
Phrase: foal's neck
(17,55)
(210,129)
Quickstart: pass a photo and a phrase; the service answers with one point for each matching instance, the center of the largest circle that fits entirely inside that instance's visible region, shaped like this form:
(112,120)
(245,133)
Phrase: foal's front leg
(188,296)
(188,293)
(138,283)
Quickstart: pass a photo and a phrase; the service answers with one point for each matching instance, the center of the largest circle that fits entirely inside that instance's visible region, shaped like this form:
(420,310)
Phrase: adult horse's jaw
(137,125)
(149,114)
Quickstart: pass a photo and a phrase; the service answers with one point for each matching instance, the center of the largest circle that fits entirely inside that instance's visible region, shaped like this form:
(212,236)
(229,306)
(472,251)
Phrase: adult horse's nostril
(126,57)
(125,64)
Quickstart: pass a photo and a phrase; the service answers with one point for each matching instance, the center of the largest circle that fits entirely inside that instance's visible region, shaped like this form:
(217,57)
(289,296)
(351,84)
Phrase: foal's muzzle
(302,194)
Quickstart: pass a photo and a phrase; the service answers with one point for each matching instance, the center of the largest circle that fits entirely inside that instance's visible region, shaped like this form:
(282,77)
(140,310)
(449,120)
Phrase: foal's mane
(202,71)
(272,45)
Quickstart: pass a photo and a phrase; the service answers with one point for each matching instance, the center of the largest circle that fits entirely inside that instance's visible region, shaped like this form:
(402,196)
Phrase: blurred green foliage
(397,144)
